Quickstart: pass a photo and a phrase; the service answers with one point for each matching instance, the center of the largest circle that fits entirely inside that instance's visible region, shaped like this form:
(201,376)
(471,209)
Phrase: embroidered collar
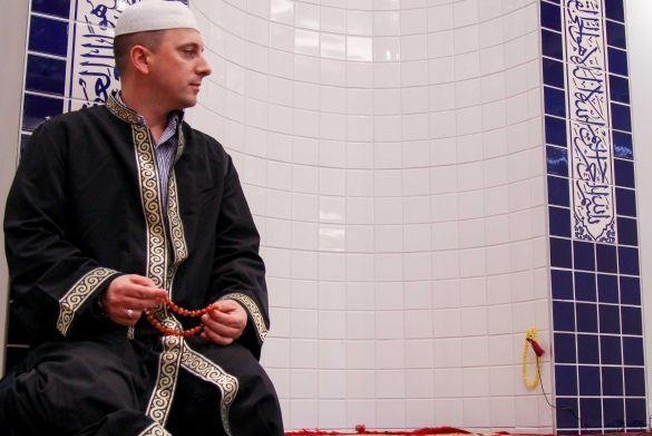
(118,108)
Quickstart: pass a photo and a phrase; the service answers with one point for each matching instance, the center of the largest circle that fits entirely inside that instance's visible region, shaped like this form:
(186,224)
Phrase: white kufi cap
(148,15)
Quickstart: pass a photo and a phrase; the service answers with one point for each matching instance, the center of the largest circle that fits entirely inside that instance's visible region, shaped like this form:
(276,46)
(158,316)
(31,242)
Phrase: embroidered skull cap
(148,15)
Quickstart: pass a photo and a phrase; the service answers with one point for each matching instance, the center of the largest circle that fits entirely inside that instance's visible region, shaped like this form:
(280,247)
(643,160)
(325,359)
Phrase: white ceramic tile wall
(391,152)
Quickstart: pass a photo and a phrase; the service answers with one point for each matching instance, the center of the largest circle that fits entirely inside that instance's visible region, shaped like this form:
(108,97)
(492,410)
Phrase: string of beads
(179,311)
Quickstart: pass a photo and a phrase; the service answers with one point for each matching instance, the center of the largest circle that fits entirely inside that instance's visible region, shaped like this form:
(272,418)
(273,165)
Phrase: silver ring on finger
(130,313)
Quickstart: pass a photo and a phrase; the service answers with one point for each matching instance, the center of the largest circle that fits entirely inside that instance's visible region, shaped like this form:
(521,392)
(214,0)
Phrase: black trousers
(102,387)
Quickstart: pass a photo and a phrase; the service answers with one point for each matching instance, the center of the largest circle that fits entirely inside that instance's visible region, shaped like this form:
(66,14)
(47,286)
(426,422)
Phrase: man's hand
(224,323)
(127,296)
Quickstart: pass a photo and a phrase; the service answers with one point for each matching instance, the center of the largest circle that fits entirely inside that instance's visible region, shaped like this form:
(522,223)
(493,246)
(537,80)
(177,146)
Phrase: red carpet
(362,430)
(439,431)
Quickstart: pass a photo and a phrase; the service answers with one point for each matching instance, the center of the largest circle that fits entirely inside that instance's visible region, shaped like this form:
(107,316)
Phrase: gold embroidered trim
(169,364)
(155,430)
(167,319)
(122,112)
(253,309)
(152,206)
(160,400)
(78,294)
(213,373)
(179,246)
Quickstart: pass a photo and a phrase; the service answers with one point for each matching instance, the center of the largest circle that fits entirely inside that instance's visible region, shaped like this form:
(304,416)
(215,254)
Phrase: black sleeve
(238,270)
(53,284)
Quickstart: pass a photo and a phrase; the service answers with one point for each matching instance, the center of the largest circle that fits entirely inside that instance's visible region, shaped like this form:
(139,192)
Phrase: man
(127,232)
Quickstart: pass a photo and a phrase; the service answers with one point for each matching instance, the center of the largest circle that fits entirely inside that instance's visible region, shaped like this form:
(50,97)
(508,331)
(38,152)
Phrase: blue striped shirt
(165,148)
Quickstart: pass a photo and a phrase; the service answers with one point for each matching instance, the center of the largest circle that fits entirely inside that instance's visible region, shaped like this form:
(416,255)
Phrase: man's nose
(204,67)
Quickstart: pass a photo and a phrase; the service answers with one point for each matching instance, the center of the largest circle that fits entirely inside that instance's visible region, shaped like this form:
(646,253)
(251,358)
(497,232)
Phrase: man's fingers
(145,292)
(216,338)
(226,320)
(138,286)
(223,329)
(226,306)
(124,316)
(134,290)
(133,315)
(127,296)
(220,334)
(140,304)
(141,280)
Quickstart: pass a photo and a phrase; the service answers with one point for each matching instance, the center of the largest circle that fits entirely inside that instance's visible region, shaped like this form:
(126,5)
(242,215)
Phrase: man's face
(178,66)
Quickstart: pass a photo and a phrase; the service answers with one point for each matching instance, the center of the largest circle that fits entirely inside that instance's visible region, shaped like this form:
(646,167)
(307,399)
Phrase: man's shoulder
(75,118)
(201,138)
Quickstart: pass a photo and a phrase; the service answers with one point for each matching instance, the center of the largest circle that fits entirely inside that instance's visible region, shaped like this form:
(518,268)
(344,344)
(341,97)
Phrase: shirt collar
(174,117)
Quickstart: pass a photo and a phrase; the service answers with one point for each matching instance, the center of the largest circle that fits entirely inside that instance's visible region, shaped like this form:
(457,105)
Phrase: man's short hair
(123,44)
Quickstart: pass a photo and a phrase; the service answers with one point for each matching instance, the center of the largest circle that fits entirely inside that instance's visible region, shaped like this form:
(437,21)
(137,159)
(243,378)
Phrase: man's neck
(156,119)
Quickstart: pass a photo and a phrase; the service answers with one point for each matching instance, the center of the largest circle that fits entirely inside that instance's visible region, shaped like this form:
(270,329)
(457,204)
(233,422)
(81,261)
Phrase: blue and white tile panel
(595,277)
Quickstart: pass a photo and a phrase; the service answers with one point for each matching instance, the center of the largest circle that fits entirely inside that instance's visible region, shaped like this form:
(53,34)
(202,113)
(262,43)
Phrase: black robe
(85,207)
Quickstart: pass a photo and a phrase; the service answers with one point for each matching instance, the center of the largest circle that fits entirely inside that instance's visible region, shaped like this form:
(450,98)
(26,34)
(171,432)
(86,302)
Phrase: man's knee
(256,410)
(21,409)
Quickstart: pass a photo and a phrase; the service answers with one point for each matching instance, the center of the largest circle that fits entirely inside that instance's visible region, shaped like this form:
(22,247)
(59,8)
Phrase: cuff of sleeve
(254,312)
(85,289)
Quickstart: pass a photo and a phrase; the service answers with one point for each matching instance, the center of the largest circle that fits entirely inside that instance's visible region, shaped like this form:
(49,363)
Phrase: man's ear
(140,58)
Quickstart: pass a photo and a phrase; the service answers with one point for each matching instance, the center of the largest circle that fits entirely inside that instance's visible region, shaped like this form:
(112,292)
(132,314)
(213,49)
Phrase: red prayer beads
(179,311)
